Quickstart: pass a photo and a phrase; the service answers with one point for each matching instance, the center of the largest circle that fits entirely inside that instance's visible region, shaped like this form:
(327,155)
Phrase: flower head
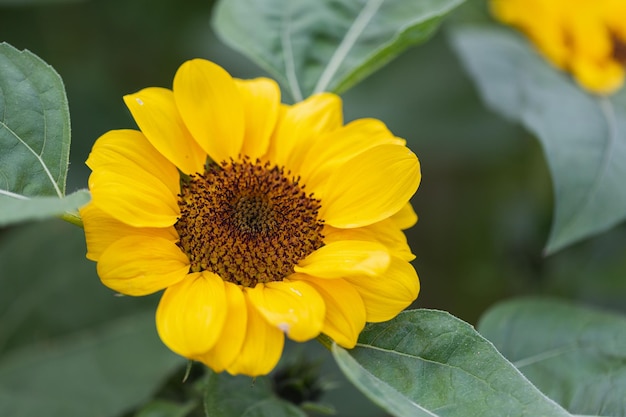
(585,38)
(258,219)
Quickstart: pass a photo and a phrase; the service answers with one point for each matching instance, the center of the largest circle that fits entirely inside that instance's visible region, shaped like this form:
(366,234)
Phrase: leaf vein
(290,64)
(36,155)
(446,365)
(356,29)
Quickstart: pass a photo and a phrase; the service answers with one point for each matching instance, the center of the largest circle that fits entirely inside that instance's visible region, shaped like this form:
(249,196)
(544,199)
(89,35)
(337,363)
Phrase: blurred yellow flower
(258,219)
(584,37)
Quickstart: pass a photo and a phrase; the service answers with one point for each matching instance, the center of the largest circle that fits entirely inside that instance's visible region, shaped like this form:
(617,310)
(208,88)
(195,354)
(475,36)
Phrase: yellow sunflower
(258,219)
(584,37)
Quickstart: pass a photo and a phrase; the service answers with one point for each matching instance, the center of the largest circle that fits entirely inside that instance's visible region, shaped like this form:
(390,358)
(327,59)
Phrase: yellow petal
(261,102)
(345,311)
(301,125)
(132,181)
(135,198)
(156,114)
(101,230)
(343,144)
(140,265)
(121,150)
(262,346)
(292,306)
(191,314)
(210,104)
(599,77)
(345,258)
(370,187)
(387,295)
(231,340)
(385,232)
(406,217)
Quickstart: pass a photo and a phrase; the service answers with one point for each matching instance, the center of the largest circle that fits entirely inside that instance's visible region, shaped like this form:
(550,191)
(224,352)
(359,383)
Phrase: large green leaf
(241,396)
(576,355)
(429,363)
(34,138)
(34,126)
(583,136)
(326,45)
(163,408)
(49,290)
(102,371)
(68,346)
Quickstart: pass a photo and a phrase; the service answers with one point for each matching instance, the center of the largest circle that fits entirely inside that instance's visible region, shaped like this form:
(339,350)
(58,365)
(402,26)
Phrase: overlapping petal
(155,112)
(344,258)
(261,103)
(141,265)
(300,126)
(345,310)
(132,181)
(262,346)
(191,314)
(406,217)
(292,306)
(385,232)
(335,148)
(370,187)
(387,295)
(101,230)
(210,104)
(233,335)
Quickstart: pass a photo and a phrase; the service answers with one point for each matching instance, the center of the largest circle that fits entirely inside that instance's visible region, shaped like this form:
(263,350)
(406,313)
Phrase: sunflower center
(247,221)
(619,50)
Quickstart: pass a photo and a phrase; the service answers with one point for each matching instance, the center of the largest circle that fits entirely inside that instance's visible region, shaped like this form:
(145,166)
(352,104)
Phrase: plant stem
(73,217)
(326,341)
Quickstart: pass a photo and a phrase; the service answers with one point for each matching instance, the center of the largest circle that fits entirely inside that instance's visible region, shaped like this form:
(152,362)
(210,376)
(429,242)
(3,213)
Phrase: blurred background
(484,204)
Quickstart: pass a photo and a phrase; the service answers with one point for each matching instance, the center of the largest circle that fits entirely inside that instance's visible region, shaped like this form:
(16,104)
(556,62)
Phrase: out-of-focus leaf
(162,408)
(583,136)
(429,363)
(576,355)
(68,346)
(101,371)
(48,290)
(241,396)
(326,45)
(16,210)
(35,2)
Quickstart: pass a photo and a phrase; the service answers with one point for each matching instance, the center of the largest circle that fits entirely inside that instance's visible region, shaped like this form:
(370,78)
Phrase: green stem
(73,217)
(326,341)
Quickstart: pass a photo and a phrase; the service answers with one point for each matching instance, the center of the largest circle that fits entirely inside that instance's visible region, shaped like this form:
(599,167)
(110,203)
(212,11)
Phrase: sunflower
(583,37)
(258,219)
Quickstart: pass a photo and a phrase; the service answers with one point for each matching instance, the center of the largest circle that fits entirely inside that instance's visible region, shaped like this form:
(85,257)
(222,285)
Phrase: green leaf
(162,408)
(429,363)
(576,355)
(49,290)
(34,139)
(34,126)
(35,2)
(326,45)
(14,210)
(583,136)
(68,346)
(241,396)
(102,371)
